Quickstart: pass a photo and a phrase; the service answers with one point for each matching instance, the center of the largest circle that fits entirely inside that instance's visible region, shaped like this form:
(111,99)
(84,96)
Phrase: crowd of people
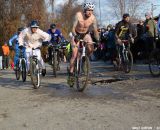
(142,37)
(145,35)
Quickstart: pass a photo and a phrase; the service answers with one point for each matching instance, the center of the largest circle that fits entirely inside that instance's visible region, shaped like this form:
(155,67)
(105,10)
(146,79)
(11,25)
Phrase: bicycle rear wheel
(128,61)
(154,63)
(82,73)
(17,71)
(35,73)
(23,64)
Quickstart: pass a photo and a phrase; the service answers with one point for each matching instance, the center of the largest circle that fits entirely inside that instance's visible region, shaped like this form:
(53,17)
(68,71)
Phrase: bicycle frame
(21,57)
(82,52)
(34,57)
(125,46)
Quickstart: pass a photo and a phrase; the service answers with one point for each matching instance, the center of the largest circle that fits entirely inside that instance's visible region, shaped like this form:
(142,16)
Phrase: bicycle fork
(79,65)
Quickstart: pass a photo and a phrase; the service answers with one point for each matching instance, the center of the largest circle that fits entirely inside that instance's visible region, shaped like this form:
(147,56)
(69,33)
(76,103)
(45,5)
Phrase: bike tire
(82,73)
(116,64)
(35,74)
(154,63)
(128,63)
(58,60)
(23,64)
(54,64)
(17,71)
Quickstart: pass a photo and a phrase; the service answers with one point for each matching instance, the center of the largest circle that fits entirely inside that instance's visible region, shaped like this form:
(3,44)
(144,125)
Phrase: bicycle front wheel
(23,64)
(154,63)
(54,64)
(17,71)
(35,74)
(82,73)
(128,61)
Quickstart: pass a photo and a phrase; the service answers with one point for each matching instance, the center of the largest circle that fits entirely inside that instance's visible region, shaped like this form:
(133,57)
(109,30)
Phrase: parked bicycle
(124,59)
(21,67)
(35,70)
(81,68)
(154,63)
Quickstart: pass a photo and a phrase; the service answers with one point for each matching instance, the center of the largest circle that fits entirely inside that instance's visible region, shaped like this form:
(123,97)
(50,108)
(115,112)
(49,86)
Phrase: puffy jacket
(150,28)
(56,36)
(33,40)
(5,50)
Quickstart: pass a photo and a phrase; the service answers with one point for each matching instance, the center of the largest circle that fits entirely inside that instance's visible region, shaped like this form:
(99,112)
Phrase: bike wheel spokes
(82,75)
(35,74)
(128,63)
(23,64)
(154,64)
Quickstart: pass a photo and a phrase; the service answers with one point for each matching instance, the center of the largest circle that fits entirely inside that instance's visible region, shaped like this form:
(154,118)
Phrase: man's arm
(45,36)
(21,37)
(96,34)
(14,37)
(117,29)
(75,22)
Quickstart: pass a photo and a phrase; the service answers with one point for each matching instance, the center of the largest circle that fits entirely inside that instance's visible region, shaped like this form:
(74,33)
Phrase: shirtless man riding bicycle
(80,30)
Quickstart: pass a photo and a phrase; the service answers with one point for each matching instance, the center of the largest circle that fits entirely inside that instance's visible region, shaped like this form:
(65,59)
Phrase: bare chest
(85,23)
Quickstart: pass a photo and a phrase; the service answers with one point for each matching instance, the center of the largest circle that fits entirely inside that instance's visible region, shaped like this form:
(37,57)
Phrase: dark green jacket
(150,28)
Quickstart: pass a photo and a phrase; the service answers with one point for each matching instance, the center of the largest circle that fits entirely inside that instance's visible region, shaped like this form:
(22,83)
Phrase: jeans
(5,61)
(149,46)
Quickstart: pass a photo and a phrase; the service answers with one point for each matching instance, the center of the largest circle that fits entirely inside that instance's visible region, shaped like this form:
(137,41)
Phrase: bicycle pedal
(70,82)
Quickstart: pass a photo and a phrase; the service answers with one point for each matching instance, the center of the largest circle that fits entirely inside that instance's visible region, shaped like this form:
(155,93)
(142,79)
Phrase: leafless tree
(14,11)
(133,7)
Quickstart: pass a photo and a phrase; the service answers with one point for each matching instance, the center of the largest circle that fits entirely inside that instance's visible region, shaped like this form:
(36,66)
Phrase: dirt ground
(112,101)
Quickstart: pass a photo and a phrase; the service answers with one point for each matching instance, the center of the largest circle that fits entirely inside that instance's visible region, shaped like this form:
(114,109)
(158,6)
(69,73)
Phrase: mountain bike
(124,59)
(154,63)
(21,67)
(56,55)
(35,70)
(81,68)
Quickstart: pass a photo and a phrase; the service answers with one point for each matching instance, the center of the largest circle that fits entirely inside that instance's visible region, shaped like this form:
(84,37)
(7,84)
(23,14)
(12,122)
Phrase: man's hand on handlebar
(45,43)
(20,47)
(132,40)
(76,38)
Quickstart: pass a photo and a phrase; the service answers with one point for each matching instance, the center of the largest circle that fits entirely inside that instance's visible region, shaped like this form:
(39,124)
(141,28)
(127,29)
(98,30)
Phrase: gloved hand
(20,47)
(76,38)
(132,40)
(45,43)
(11,48)
(119,41)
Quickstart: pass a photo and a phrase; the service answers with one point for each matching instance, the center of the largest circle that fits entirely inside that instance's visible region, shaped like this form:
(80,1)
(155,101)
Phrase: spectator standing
(111,45)
(5,49)
(158,26)
(149,34)
(140,40)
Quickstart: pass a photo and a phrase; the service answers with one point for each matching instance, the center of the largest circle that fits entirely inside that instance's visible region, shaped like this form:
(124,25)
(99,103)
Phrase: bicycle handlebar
(81,40)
